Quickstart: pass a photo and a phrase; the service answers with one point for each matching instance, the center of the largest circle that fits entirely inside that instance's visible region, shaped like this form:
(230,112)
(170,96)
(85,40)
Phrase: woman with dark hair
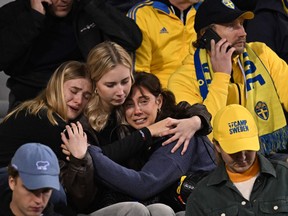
(112,70)
(158,168)
(42,120)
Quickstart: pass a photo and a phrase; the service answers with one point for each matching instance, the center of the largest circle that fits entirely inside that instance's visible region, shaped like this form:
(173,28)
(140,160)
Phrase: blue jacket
(160,171)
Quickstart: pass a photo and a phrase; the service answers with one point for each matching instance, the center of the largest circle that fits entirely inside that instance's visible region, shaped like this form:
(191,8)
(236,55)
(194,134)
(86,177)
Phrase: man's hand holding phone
(220,51)
(221,59)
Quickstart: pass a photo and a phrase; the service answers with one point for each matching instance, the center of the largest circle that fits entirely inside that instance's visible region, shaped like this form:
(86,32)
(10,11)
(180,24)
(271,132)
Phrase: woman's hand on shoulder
(158,128)
(75,141)
(182,130)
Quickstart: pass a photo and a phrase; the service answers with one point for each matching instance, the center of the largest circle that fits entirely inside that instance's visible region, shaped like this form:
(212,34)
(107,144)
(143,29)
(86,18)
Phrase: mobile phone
(206,38)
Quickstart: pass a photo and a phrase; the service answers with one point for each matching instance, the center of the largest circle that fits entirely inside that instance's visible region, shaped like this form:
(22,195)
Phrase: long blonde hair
(103,58)
(52,98)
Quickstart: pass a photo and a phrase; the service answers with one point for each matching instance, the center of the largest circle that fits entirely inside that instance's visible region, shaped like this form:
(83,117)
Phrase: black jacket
(6,198)
(123,5)
(217,195)
(270,25)
(25,128)
(33,45)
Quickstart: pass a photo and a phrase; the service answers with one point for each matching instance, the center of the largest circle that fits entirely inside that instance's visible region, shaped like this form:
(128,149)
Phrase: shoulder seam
(132,12)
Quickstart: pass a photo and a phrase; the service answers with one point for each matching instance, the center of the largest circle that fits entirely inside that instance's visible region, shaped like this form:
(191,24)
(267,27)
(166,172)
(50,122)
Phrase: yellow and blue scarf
(261,98)
(285,5)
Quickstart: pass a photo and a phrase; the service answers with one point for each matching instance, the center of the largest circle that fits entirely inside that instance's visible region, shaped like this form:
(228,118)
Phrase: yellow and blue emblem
(261,110)
(229,4)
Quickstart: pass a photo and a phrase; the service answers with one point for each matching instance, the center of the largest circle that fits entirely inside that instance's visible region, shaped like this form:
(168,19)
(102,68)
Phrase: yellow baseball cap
(235,129)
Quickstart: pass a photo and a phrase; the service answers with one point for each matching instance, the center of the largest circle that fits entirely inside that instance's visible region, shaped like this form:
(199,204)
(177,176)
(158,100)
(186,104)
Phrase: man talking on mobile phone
(249,74)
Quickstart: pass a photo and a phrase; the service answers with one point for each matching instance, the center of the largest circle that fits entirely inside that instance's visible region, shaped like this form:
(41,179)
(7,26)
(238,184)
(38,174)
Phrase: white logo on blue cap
(229,4)
(42,165)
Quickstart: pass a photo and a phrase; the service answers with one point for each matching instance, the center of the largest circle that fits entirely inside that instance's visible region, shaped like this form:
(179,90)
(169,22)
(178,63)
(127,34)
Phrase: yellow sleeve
(278,69)
(143,54)
(183,83)
(218,93)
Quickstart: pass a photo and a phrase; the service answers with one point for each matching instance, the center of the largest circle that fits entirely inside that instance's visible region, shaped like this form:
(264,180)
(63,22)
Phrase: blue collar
(165,8)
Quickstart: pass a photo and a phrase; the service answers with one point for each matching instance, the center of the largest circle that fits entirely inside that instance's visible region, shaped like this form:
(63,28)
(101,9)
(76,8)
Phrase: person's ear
(159,101)
(202,31)
(11,182)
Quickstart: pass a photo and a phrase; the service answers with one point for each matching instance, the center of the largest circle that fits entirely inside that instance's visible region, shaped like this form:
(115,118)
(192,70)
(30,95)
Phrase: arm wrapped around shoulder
(199,110)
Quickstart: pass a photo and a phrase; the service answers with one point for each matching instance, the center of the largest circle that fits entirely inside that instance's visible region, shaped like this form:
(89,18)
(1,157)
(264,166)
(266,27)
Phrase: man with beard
(224,70)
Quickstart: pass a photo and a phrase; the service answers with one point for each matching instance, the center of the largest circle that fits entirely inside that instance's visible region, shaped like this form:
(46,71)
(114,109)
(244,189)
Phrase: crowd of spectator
(112,103)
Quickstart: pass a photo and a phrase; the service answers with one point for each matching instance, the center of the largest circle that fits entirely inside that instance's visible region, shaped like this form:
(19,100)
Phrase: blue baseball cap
(37,165)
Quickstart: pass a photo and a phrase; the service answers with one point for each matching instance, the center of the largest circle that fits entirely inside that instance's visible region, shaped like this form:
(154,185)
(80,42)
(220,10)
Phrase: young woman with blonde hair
(43,118)
(111,69)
